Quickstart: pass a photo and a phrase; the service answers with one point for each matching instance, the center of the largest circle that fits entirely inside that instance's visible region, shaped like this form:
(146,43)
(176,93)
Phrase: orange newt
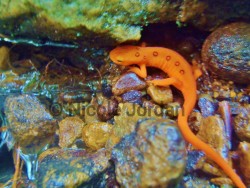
(182,76)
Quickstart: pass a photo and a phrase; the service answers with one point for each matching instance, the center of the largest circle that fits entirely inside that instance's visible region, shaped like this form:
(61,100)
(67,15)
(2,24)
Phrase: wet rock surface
(29,121)
(72,168)
(226,52)
(152,156)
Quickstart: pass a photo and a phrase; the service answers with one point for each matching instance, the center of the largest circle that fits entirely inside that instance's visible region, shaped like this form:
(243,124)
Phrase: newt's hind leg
(166,82)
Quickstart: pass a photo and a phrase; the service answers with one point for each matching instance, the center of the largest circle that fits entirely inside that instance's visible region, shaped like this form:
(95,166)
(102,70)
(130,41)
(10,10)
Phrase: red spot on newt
(182,72)
(168,58)
(155,53)
(137,54)
(186,83)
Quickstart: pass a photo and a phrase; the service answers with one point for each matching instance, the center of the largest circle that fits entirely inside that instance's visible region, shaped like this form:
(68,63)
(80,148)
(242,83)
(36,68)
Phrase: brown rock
(226,52)
(128,116)
(243,150)
(107,109)
(90,112)
(194,121)
(160,95)
(73,168)
(128,81)
(95,135)
(70,129)
(242,123)
(212,132)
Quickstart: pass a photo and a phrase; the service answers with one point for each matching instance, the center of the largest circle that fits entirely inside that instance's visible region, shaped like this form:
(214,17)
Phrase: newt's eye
(137,54)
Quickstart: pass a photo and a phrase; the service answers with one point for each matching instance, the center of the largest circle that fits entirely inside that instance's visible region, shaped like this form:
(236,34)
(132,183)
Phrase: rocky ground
(85,121)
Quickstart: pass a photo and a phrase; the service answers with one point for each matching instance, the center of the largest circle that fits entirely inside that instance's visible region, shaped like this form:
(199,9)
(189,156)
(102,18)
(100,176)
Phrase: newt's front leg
(142,71)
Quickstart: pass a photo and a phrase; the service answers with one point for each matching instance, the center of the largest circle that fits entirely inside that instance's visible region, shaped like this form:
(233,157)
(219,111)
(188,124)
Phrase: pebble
(95,135)
(160,95)
(127,82)
(70,129)
(133,96)
(107,109)
(242,123)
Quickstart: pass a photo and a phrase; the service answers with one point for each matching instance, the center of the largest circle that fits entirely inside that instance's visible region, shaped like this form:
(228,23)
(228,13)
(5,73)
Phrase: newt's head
(126,55)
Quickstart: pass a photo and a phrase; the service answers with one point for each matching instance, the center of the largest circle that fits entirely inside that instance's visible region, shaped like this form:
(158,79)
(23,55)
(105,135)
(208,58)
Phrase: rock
(95,135)
(90,112)
(75,96)
(106,22)
(242,123)
(70,129)
(194,121)
(30,123)
(226,52)
(173,109)
(127,82)
(244,161)
(160,95)
(133,96)
(72,168)
(212,132)
(128,116)
(107,109)
(152,156)
(207,106)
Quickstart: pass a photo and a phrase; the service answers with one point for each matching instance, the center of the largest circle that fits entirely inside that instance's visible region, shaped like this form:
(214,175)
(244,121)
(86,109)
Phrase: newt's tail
(210,152)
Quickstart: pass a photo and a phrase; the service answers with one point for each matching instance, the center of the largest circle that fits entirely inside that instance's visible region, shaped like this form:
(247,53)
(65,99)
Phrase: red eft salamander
(182,76)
